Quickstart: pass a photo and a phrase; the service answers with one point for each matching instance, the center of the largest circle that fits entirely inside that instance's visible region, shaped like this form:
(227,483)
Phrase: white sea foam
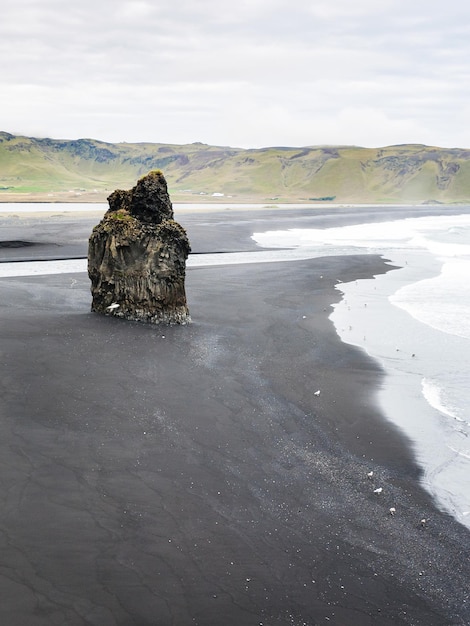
(433,395)
(443,301)
(40,268)
(51,207)
(410,233)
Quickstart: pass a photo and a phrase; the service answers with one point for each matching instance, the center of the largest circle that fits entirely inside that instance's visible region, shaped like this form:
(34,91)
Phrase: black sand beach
(190,475)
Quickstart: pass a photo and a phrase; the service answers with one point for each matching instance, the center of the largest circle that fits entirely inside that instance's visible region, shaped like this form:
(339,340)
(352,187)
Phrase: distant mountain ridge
(88,170)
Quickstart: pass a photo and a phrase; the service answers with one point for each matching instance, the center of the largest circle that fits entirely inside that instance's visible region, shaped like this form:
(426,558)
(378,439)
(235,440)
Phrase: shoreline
(400,354)
(94,197)
(191,473)
(80,209)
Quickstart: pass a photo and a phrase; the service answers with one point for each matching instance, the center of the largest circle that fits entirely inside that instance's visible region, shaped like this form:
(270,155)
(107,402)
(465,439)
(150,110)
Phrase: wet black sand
(190,475)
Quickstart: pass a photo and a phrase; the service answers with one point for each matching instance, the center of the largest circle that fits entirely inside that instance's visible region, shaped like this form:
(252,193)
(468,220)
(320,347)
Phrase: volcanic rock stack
(137,256)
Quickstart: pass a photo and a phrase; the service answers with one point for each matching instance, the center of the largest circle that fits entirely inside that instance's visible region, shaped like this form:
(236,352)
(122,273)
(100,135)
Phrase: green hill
(88,170)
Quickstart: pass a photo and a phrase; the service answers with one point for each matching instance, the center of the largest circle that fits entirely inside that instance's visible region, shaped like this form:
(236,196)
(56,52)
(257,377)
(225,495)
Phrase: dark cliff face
(137,256)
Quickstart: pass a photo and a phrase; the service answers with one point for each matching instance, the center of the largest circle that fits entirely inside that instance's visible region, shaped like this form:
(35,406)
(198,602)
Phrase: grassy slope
(408,173)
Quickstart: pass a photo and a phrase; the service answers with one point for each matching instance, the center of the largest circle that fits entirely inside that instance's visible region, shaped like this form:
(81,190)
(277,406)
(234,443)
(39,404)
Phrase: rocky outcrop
(137,256)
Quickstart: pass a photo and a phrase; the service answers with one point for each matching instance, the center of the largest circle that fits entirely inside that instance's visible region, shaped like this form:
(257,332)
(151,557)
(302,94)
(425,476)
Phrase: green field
(88,170)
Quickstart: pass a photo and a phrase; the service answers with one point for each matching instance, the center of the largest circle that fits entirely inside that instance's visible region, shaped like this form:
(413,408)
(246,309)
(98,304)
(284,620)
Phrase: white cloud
(328,9)
(134,10)
(276,125)
(250,73)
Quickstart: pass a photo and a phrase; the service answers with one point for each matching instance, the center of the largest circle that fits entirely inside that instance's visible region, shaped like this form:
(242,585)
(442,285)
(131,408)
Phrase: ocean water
(415,321)
(19,208)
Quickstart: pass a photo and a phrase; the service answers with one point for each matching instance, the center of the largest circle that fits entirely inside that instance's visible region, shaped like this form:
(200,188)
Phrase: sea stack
(137,256)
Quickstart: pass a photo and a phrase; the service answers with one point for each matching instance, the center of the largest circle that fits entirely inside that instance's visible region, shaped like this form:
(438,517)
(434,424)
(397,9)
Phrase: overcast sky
(246,73)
